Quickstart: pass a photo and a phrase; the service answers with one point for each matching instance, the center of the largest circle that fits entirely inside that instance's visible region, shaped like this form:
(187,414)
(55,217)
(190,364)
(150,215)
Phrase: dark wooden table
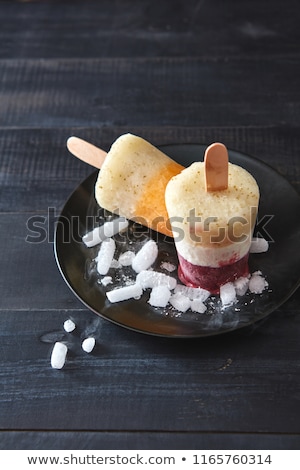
(171,72)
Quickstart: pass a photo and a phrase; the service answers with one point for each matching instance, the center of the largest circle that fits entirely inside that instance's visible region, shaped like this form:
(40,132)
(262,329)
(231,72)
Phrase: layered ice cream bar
(132,182)
(212,227)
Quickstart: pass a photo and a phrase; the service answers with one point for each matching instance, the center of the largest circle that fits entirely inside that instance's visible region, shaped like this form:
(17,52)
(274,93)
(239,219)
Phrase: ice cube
(124,293)
(58,356)
(227,294)
(105,255)
(88,344)
(168,266)
(257,283)
(180,302)
(193,292)
(69,326)
(159,296)
(107,230)
(145,257)
(241,285)
(150,279)
(106,280)
(198,306)
(126,258)
(259,245)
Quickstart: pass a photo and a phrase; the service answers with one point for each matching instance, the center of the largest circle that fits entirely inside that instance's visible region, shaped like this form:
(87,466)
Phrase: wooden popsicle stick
(216,167)
(86,152)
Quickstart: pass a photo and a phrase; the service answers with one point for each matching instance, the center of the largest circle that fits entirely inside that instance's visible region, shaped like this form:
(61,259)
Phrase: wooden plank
(133,382)
(38,173)
(64,440)
(29,276)
(150,92)
(192,76)
(119,29)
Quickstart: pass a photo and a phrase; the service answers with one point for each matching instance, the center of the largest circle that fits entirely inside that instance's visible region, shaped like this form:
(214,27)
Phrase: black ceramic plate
(278,220)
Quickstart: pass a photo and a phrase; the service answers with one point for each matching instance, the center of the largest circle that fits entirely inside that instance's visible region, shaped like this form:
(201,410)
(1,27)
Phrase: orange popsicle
(132,182)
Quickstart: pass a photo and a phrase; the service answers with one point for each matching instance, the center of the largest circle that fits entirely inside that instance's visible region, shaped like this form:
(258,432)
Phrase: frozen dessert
(212,226)
(132,182)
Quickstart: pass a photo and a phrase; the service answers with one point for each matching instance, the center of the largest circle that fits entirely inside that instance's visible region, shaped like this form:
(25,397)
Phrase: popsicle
(212,207)
(132,182)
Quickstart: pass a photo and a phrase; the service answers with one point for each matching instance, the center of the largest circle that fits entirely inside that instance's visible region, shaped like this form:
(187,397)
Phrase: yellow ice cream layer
(152,204)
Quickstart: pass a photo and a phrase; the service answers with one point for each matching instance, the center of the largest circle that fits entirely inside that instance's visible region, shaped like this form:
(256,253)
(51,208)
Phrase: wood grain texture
(91,440)
(149,91)
(171,72)
(131,29)
(199,389)
(30,277)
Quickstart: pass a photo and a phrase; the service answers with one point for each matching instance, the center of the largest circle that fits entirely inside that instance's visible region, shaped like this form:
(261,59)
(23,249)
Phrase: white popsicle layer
(212,256)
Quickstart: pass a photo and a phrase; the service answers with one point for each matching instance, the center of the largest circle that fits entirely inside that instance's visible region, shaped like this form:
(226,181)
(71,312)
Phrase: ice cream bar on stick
(132,182)
(212,206)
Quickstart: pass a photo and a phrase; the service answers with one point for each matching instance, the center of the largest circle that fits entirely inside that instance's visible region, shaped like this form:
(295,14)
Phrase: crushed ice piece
(257,283)
(58,356)
(105,255)
(192,292)
(150,279)
(241,285)
(168,266)
(88,344)
(145,257)
(106,280)
(198,306)
(180,302)
(159,296)
(107,230)
(227,294)
(133,291)
(115,264)
(259,245)
(126,258)
(69,326)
